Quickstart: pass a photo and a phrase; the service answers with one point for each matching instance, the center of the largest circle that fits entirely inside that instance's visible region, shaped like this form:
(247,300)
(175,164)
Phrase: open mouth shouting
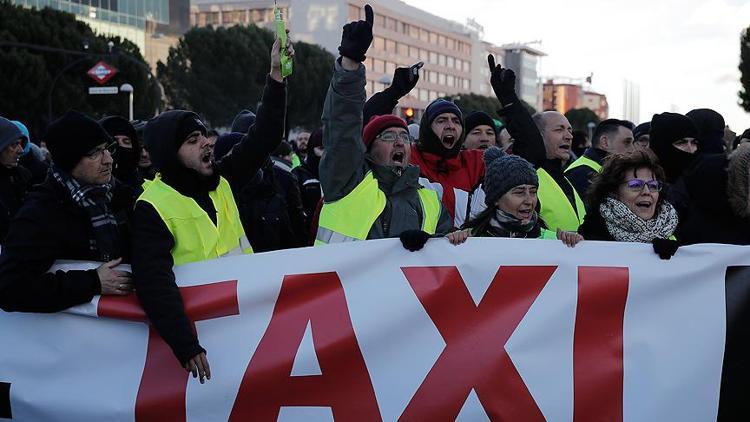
(448,140)
(208,156)
(398,158)
(525,214)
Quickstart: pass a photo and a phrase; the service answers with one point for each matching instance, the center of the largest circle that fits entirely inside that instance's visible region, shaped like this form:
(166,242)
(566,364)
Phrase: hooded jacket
(152,240)
(345,164)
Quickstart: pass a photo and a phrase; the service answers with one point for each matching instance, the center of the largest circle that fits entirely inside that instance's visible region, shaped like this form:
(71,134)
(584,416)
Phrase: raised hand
(405,79)
(276,56)
(357,37)
(503,81)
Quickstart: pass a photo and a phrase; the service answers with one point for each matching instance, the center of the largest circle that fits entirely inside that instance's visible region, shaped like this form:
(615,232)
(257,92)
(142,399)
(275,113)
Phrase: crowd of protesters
(168,191)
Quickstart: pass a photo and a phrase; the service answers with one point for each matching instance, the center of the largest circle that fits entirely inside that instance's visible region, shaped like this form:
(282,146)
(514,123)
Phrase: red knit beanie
(378,124)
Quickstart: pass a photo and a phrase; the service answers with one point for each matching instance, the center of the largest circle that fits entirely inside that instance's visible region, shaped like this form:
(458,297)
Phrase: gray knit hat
(504,172)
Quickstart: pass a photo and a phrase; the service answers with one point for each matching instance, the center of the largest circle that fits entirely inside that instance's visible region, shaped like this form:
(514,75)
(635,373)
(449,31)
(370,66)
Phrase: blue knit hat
(9,133)
(25,131)
(441,106)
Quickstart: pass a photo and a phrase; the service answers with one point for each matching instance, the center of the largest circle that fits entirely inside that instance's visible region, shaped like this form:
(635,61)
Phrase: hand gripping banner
(496,329)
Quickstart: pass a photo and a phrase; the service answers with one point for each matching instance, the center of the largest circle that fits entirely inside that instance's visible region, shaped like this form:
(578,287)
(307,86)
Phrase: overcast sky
(683,53)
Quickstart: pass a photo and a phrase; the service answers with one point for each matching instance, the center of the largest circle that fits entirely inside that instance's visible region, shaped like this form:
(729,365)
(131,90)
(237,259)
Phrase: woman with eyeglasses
(627,203)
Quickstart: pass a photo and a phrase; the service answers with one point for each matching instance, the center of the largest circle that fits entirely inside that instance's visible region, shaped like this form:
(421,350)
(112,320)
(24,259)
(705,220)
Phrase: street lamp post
(129,89)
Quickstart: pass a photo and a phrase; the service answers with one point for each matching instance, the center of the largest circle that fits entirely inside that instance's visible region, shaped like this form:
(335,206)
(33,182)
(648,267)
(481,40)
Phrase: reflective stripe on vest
(557,211)
(585,161)
(351,217)
(195,235)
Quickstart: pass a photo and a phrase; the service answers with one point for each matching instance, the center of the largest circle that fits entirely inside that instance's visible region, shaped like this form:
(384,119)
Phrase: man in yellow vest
(544,140)
(370,190)
(188,212)
(611,136)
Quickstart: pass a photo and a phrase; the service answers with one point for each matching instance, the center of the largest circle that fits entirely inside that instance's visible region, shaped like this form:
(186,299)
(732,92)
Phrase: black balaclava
(126,160)
(312,161)
(428,141)
(667,128)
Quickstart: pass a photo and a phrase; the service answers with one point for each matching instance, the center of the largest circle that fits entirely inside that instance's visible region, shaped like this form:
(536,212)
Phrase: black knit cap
(478,118)
(72,136)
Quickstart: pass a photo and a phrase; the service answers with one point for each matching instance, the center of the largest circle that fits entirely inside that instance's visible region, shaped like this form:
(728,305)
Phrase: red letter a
(344,385)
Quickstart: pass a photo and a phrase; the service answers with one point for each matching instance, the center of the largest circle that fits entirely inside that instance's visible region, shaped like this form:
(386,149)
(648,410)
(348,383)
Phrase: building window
(467,66)
(451,62)
(378,66)
(433,38)
(380,43)
(423,95)
(390,67)
(413,31)
(441,59)
(380,20)
(390,46)
(451,81)
(423,55)
(433,76)
(466,84)
(403,49)
(354,13)
(413,52)
(441,78)
(424,35)
(390,23)
(433,57)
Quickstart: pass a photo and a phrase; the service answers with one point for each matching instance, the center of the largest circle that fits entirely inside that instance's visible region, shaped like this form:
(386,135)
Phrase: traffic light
(408,114)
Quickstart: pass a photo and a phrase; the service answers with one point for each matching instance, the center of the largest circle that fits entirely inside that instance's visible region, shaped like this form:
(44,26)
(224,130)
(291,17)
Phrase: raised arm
(528,142)
(404,80)
(343,166)
(268,130)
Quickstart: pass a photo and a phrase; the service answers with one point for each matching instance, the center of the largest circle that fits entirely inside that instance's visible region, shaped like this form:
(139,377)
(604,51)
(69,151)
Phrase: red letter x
(475,337)
(161,395)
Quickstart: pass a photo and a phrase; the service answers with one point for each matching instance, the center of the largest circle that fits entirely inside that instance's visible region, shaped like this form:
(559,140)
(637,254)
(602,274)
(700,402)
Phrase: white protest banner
(500,329)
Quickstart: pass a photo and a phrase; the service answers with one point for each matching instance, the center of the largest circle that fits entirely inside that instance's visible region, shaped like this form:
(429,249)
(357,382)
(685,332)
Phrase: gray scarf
(625,226)
(94,199)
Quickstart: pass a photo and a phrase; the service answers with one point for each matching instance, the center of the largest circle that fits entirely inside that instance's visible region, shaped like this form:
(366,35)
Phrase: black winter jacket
(580,177)
(707,216)
(47,228)
(153,243)
(13,185)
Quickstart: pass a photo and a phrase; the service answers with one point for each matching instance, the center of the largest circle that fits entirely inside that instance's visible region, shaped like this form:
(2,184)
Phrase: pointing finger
(369,16)
(491,62)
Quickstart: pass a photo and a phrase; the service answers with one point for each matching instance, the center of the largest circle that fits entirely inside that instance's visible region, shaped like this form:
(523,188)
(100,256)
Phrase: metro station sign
(102,72)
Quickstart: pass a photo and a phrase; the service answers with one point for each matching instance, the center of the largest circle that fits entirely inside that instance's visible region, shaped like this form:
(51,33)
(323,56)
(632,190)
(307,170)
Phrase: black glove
(665,248)
(414,240)
(503,81)
(404,80)
(357,37)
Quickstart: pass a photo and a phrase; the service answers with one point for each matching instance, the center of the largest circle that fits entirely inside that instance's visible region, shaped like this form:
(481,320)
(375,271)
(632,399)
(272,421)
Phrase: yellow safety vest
(557,211)
(351,217)
(585,161)
(196,237)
